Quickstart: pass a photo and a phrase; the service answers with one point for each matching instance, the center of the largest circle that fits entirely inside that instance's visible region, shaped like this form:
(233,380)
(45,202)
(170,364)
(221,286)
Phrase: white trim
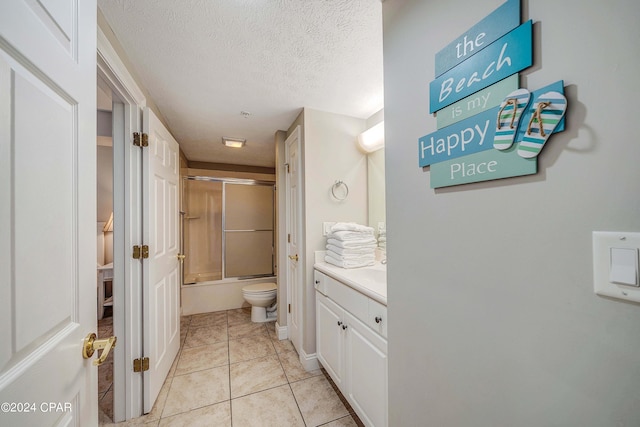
(116,72)
(309,361)
(282,331)
(127,310)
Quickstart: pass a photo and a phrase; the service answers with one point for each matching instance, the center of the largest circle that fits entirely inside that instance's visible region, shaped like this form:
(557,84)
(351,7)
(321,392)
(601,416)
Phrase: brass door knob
(91,344)
(293,257)
(181,257)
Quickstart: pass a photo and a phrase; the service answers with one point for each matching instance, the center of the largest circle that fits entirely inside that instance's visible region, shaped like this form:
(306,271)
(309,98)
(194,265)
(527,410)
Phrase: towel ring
(336,186)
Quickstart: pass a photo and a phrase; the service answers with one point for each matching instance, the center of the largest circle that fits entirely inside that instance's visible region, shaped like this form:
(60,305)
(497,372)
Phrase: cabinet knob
(339,322)
(317,282)
(344,327)
(378,319)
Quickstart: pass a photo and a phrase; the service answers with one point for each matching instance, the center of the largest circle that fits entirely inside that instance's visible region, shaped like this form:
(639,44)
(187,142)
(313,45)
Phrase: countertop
(370,281)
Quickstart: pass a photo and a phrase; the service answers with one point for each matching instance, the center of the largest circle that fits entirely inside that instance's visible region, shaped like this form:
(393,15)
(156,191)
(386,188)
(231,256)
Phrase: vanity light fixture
(233,142)
(372,139)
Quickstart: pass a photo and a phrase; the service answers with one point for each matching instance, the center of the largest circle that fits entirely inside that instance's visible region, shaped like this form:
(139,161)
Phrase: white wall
(329,154)
(493,319)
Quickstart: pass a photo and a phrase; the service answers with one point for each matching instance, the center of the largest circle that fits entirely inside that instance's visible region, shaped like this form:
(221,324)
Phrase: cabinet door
(366,371)
(330,337)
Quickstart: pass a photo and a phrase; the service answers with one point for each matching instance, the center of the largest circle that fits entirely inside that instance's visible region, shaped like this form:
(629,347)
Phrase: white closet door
(161,270)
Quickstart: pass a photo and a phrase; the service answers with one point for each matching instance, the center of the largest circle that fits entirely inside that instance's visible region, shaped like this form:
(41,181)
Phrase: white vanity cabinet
(351,347)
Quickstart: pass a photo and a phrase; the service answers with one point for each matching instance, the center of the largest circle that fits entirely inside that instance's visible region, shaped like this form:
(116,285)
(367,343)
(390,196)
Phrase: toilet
(262,297)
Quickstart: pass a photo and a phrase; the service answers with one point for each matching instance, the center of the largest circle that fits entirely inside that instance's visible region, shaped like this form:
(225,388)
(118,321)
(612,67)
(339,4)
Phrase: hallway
(232,372)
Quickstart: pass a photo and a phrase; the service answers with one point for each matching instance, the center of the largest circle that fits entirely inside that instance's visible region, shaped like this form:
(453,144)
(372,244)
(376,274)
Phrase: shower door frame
(241,181)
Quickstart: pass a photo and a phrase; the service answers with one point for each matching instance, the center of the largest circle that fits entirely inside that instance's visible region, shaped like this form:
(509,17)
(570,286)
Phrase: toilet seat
(260,288)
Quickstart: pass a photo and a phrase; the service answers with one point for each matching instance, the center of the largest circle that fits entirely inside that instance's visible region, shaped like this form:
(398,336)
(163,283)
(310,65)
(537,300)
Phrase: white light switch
(326,227)
(624,266)
(615,265)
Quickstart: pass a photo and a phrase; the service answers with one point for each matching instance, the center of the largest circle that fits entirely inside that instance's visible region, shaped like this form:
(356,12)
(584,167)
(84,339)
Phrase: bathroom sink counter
(370,281)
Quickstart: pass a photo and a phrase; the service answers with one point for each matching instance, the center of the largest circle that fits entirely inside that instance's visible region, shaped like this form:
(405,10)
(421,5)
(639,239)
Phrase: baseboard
(282,332)
(309,361)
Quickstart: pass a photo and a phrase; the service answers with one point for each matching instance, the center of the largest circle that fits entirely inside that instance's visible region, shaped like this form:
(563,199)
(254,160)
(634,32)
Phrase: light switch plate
(603,242)
(326,227)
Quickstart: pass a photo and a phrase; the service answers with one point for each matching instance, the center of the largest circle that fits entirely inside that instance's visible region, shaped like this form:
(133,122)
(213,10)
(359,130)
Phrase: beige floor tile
(105,377)
(185,321)
(282,346)
(271,328)
(208,319)
(174,365)
(161,401)
(202,357)
(275,407)
(317,400)
(256,375)
(293,369)
(196,390)
(250,348)
(239,316)
(347,421)
(243,330)
(106,404)
(218,415)
(205,335)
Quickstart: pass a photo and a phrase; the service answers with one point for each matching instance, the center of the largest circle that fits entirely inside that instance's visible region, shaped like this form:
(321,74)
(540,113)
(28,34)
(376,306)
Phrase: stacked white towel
(350,245)
(382,239)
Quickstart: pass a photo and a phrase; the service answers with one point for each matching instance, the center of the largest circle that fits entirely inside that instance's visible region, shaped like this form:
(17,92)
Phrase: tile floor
(232,372)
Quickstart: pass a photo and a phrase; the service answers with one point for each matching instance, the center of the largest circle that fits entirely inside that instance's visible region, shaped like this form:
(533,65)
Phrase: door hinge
(286,165)
(140,252)
(140,139)
(141,365)
(288,238)
(289,308)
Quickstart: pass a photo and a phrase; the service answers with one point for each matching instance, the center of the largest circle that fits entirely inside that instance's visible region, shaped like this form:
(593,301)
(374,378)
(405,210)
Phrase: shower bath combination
(227,229)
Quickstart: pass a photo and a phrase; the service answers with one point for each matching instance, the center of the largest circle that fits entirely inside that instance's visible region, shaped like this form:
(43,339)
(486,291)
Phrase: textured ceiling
(205,61)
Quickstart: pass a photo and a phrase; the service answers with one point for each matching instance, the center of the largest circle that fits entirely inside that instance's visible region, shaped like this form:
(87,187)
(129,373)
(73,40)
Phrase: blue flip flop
(548,110)
(511,110)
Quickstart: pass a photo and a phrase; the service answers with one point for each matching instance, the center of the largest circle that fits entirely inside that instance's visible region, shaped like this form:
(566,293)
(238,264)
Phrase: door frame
(127,208)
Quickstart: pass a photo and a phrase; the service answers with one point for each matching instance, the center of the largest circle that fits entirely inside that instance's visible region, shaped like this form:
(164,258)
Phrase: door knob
(91,344)
(293,257)
(181,257)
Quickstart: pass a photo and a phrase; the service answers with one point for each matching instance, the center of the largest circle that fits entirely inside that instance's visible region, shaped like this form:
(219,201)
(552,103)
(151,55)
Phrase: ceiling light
(372,139)
(233,142)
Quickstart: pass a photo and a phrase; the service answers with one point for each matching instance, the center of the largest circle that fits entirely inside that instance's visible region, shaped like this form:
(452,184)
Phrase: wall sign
(488,127)
(498,23)
(478,102)
(504,57)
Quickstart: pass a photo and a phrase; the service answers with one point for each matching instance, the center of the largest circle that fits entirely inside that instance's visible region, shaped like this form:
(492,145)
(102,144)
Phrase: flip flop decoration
(548,109)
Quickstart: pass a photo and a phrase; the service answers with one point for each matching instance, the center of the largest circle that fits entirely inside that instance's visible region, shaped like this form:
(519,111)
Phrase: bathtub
(218,295)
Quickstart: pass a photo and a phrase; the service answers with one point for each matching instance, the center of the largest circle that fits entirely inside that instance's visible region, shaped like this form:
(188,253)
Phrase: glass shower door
(202,222)
(248,229)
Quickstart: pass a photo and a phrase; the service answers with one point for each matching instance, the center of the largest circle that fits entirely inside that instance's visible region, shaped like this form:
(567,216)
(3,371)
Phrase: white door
(48,277)
(161,270)
(330,337)
(366,369)
(294,234)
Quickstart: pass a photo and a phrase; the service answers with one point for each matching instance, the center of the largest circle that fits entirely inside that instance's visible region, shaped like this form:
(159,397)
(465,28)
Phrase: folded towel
(347,264)
(359,250)
(355,257)
(351,226)
(359,243)
(350,235)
